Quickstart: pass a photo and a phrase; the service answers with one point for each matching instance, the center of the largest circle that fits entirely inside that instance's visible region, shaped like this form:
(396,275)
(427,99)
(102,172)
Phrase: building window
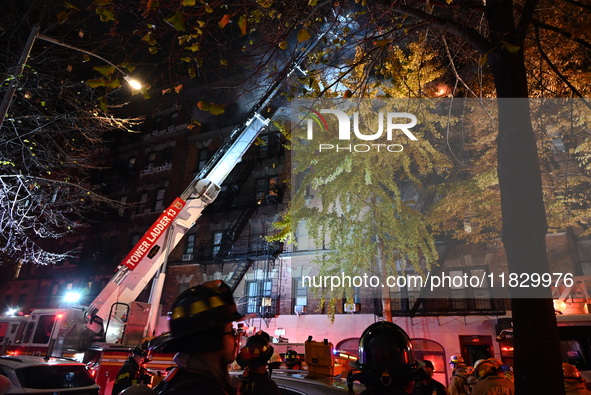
(270,145)
(166,155)
(151,159)
(159,205)
(190,245)
(258,293)
(217,242)
(141,207)
(255,240)
(267,187)
(174,118)
(300,292)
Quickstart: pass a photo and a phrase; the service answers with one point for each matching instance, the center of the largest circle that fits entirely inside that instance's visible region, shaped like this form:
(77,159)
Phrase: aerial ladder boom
(150,253)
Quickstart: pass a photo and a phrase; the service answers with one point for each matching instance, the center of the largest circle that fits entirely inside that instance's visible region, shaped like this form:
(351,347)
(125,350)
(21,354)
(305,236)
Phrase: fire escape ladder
(239,273)
(236,179)
(233,233)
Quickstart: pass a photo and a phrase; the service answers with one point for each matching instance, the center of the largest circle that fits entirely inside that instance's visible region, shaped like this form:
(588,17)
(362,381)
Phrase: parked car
(301,382)
(51,376)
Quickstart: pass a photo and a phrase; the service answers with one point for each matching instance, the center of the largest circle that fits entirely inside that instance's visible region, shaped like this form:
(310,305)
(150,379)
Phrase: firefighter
(491,379)
(133,372)
(202,335)
(458,384)
(429,386)
(454,360)
(574,383)
(292,360)
(386,363)
(253,358)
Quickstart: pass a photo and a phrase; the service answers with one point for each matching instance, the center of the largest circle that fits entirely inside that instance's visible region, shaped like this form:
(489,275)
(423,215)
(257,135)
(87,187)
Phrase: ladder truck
(114,322)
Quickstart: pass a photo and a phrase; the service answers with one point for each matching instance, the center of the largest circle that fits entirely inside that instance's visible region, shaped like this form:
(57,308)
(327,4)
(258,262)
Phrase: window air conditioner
(351,307)
(299,309)
(187,257)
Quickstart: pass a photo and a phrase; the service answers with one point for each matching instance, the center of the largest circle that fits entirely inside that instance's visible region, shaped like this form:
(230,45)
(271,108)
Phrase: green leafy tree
(361,212)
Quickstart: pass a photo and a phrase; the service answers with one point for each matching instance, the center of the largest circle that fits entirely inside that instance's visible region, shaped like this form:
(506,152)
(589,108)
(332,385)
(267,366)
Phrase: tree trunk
(523,213)
(385,291)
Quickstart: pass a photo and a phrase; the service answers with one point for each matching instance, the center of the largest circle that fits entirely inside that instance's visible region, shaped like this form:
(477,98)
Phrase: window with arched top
(426,349)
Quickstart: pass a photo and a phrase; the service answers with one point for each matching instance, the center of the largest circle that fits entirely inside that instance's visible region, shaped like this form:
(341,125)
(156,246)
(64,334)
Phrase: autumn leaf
(224,21)
(149,39)
(176,89)
(177,20)
(483,59)
(242,25)
(382,43)
(511,47)
(348,94)
(105,70)
(103,103)
(193,48)
(214,109)
(95,83)
(62,17)
(303,35)
(113,84)
(188,3)
(105,15)
(153,4)
(102,3)
(71,6)
(208,9)
(283,45)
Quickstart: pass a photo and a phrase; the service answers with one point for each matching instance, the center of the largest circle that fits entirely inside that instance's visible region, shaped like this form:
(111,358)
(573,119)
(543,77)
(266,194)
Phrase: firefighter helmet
(455,359)
(143,348)
(256,352)
(275,358)
(487,367)
(571,372)
(198,317)
(385,347)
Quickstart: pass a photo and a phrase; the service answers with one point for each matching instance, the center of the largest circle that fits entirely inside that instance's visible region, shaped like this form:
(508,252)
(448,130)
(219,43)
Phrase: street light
(133,83)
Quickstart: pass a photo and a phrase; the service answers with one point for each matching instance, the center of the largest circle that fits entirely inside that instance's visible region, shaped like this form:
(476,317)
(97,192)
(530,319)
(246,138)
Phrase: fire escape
(262,299)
